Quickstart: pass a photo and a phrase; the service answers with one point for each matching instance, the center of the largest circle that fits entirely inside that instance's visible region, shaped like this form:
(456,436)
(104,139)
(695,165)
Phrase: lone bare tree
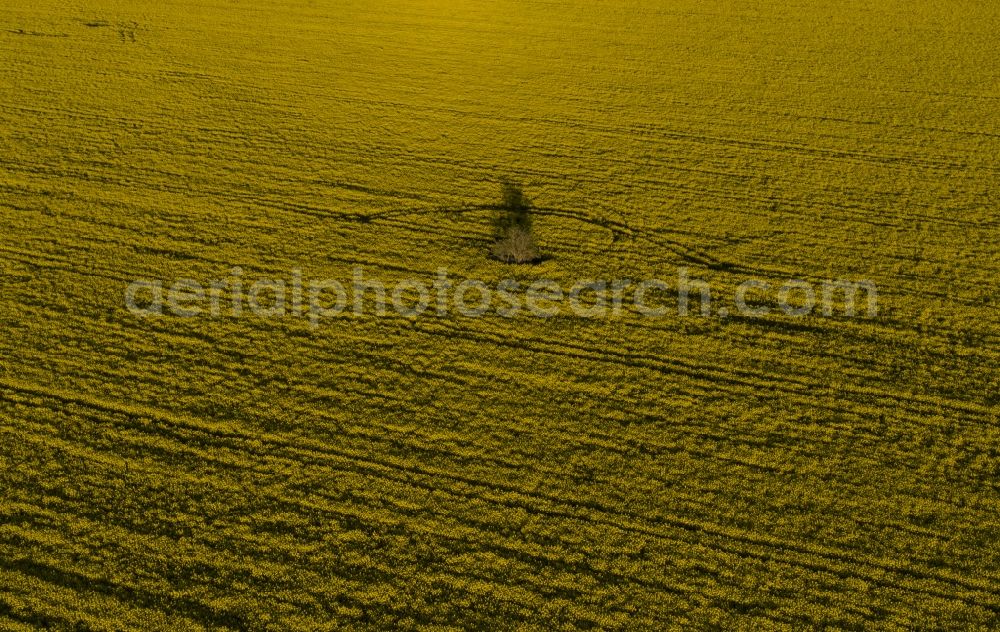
(515,241)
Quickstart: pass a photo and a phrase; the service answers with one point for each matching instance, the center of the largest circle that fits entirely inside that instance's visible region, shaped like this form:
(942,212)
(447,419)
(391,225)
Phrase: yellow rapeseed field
(438,471)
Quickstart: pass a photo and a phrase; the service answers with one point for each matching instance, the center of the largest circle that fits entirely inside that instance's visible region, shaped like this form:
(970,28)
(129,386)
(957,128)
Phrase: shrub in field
(515,241)
(517,247)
